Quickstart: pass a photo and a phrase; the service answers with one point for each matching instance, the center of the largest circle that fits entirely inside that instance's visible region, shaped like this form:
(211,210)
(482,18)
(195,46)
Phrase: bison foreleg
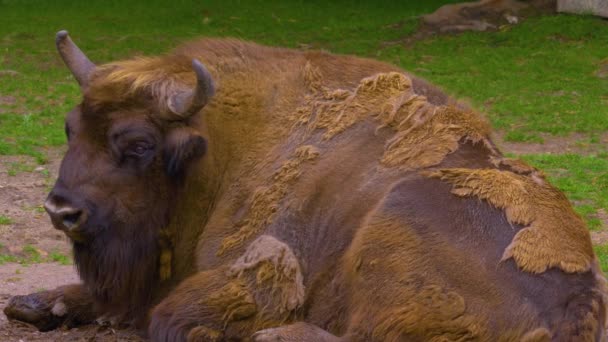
(71,305)
(263,288)
(201,307)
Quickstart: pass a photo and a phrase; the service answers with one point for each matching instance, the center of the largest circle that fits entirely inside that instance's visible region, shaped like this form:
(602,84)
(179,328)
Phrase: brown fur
(293,201)
(417,309)
(266,200)
(555,235)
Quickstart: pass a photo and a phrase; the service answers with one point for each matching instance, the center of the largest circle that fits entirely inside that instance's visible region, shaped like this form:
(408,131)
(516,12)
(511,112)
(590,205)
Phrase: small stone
(59,309)
(511,19)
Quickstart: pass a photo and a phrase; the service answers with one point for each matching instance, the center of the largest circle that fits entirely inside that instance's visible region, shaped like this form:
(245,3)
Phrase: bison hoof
(39,309)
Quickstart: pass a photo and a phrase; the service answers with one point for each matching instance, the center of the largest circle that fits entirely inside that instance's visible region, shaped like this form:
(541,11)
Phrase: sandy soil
(21,198)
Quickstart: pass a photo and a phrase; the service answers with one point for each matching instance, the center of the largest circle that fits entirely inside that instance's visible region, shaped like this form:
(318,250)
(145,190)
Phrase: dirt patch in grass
(9,73)
(578,143)
(600,237)
(7,100)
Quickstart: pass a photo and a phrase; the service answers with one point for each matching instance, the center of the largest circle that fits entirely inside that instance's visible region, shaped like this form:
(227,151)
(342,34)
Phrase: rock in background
(482,15)
(596,7)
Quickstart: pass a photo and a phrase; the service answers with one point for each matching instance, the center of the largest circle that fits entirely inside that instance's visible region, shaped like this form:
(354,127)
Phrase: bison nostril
(66,218)
(72,220)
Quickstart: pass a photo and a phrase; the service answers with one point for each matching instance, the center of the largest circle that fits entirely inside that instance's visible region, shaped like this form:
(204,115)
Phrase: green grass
(42,90)
(4,258)
(17,167)
(584,179)
(5,220)
(60,258)
(31,255)
(535,77)
(602,254)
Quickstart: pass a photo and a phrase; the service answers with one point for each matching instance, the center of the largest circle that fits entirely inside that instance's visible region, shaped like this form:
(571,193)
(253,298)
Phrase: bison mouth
(119,269)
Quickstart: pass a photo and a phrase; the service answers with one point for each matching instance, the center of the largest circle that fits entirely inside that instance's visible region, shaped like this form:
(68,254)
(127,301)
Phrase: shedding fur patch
(520,167)
(266,200)
(235,300)
(275,268)
(554,236)
(425,142)
(424,133)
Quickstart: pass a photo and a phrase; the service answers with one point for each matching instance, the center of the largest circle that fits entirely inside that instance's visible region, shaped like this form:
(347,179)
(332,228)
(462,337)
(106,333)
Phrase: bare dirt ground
(574,143)
(21,196)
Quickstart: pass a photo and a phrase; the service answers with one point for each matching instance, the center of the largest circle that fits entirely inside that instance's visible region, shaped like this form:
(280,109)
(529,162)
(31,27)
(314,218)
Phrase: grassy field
(534,80)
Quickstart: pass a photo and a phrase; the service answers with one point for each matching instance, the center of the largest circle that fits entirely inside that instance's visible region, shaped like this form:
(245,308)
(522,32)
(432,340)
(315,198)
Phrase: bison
(232,191)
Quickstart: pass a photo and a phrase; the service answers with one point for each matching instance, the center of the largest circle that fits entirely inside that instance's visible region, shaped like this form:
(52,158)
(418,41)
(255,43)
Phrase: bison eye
(139,149)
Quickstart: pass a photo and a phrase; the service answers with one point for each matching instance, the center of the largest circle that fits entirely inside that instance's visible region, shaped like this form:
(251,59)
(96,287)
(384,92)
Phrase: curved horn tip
(196,64)
(61,35)
(200,69)
(204,76)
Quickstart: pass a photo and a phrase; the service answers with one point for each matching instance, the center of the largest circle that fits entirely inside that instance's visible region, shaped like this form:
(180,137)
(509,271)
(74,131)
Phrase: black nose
(64,215)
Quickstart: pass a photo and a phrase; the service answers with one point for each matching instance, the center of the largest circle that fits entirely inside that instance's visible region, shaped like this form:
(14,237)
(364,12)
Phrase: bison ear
(183,145)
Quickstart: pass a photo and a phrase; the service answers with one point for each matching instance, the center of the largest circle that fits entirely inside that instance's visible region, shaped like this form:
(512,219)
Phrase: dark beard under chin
(120,271)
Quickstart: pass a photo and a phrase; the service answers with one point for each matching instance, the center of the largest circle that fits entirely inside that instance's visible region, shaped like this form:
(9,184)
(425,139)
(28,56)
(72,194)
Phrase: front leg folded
(201,307)
(71,305)
(261,289)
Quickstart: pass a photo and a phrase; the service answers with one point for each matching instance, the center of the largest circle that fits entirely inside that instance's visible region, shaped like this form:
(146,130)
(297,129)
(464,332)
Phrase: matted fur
(266,200)
(424,133)
(554,236)
(274,270)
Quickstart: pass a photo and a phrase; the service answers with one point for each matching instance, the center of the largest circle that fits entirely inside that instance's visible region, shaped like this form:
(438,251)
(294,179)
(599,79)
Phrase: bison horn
(189,103)
(80,66)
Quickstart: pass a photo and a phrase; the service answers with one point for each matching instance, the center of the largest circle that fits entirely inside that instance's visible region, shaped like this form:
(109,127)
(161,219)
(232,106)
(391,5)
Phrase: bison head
(125,162)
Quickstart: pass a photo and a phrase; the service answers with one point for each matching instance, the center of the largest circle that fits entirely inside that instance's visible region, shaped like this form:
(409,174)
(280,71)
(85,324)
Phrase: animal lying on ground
(231,191)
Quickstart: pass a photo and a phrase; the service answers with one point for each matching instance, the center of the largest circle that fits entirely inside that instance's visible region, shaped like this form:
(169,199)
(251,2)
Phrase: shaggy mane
(160,77)
(156,77)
